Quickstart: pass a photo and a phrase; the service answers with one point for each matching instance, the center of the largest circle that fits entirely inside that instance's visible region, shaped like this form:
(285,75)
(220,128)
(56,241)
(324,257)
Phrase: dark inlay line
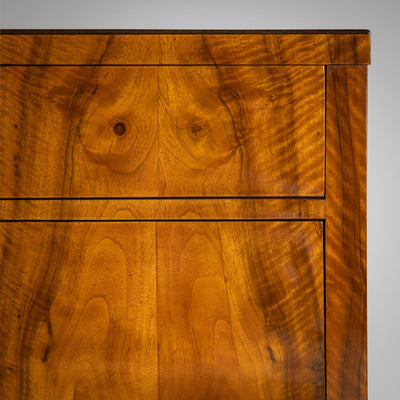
(324,283)
(168,198)
(177,65)
(325,101)
(172,220)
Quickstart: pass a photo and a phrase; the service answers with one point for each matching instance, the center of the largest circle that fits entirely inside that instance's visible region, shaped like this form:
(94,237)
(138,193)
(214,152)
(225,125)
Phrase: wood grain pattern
(79,301)
(242,209)
(240,322)
(346,285)
(64,49)
(78,311)
(168,132)
(186,48)
(241,131)
(80,209)
(160,209)
(139,258)
(57,132)
(272,49)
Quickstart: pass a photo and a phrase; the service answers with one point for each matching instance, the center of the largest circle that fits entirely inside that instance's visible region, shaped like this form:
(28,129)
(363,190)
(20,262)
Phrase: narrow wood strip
(346,305)
(188,49)
(79,209)
(264,49)
(153,209)
(79,49)
(242,209)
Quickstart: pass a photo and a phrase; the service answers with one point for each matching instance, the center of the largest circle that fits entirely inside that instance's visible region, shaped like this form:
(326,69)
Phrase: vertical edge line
(365,198)
(325,84)
(158,118)
(324,279)
(157,333)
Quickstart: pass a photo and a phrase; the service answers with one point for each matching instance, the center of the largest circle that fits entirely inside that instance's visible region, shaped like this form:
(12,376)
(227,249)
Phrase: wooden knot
(197,131)
(196,128)
(119,129)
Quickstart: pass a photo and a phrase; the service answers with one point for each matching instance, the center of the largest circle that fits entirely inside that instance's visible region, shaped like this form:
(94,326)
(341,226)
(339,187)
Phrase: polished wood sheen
(113,131)
(78,305)
(241,131)
(170,47)
(183,215)
(240,322)
(58,139)
(231,321)
(266,49)
(79,49)
(346,241)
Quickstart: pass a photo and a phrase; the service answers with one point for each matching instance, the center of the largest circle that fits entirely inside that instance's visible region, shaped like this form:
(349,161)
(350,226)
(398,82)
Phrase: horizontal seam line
(159,198)
(169,220)
(182,65)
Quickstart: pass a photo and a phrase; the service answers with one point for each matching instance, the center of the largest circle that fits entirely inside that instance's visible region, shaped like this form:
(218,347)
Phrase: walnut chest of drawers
(183,215)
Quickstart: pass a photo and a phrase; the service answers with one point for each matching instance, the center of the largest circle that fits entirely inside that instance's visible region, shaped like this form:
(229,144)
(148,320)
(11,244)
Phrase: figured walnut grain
(241,131)
(240,322)
(78,311)
(58,135)
(185,48)
(76,132)
(346,274)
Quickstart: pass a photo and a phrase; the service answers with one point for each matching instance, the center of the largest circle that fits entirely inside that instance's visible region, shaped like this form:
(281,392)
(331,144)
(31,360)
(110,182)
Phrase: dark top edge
(177,31)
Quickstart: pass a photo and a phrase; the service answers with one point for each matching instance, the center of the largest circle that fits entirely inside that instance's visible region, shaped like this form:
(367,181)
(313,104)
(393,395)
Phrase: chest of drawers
(183,215)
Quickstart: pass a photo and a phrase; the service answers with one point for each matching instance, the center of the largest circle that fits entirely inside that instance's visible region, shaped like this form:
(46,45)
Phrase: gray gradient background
(382,18)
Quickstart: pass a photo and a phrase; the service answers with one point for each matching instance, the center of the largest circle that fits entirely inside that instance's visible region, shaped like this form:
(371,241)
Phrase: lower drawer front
(168,131)
(169,310)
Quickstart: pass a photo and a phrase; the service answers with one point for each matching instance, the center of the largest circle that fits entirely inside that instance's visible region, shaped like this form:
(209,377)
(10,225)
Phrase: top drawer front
(167,131)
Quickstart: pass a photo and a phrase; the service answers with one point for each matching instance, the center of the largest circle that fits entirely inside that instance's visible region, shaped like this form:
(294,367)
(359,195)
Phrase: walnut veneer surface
(183,215)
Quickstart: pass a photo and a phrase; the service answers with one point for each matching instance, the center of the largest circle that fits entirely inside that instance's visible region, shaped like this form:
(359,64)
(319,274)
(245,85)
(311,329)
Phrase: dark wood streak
(289,149)
(206,47)
(74,130)
(239,135)
(49,328)
(106,47)
(46,281)
(69,165)
(46,354)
